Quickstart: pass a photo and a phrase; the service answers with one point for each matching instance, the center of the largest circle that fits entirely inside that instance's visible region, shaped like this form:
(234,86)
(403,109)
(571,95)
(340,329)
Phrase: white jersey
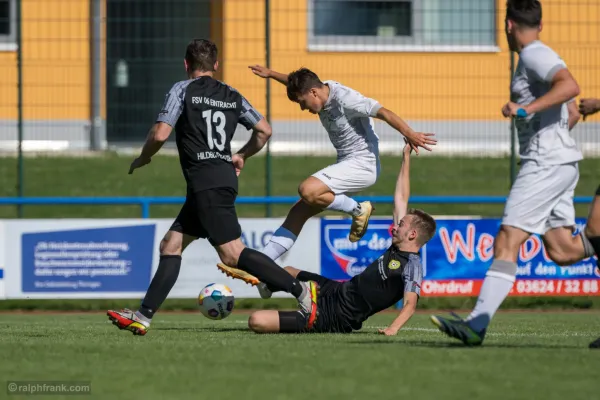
(543,137)
(347,118)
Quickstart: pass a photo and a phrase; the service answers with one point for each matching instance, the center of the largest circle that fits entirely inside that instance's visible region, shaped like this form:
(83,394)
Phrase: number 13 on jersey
(218,119)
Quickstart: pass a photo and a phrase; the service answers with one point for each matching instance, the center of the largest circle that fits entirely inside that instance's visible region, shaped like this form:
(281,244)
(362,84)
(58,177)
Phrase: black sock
(301,277)
(265,269)
(273,289)
(291,322)
(162,283)
(595,241)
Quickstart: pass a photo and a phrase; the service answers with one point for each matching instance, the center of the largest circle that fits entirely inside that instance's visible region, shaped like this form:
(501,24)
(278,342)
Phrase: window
(402,25)
(7,25)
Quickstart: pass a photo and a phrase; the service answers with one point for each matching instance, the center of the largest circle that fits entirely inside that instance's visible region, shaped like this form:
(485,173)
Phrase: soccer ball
(216,301)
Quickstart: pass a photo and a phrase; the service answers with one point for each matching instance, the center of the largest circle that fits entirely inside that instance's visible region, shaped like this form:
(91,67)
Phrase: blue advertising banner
(456,260)
(115,259)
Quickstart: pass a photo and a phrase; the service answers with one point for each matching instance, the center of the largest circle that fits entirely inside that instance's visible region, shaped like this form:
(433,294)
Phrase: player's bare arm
(574,114)
(261,133)
(416,139)
(589,106)
(564,88)
(158,135)
(402,191)
(266,73)
(408,310)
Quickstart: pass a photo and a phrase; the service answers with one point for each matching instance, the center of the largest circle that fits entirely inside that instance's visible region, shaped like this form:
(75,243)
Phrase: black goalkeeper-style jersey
(205,114)
(381,285)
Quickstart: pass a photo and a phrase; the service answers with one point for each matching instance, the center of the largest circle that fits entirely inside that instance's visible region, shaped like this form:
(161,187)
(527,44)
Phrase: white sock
(142,317)
(281,241)
(496,286)
(345,204)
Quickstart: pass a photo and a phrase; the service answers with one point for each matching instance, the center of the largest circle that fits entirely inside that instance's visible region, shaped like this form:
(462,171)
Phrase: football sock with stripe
(496,286)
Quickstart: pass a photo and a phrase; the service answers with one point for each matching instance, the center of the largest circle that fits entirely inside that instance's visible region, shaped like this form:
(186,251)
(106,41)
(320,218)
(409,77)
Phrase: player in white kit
(541,198)
(347,116)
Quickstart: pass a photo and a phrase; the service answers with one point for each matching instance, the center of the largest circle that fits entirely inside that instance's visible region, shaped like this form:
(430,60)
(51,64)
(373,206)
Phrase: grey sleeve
(173,105)
(543,62)
(249,117)
(413,276)
(355,104)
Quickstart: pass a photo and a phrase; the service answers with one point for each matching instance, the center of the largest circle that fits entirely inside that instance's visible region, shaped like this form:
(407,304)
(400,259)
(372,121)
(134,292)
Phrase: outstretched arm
(251,119)
(161,130)
(265,72)
(158,135)
(415,139)
(402,192)
(408,310)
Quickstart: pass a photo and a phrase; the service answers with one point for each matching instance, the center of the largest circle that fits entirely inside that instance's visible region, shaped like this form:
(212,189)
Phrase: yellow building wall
(56,66)
(418,86)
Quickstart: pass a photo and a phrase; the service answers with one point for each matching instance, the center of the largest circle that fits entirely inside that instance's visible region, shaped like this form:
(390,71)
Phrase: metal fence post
(19,108)
(268,177)
(513,150)
(97,131)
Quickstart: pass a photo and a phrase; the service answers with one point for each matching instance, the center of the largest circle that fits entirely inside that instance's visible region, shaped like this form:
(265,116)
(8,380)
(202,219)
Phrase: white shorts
(542,198)
(350,175)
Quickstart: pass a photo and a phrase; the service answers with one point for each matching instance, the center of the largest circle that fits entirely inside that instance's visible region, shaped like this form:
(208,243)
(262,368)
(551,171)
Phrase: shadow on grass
(456,345)
(200,330)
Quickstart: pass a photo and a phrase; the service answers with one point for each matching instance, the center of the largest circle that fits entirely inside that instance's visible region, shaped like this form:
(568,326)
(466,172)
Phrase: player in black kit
(589,107)
(397,274)
(205,114)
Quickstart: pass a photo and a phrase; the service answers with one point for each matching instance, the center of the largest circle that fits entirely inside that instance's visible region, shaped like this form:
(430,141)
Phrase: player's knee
(256,324)
(506,246)
(170,247)
(307,193)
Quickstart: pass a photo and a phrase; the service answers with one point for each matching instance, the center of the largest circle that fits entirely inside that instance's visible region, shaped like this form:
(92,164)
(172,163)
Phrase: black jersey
(381,285)
(205,114)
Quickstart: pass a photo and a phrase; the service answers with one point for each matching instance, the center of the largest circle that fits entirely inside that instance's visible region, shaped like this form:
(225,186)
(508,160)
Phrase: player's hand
(261,71)
(238,163)
(388,332)
(510,109)
(418,139)
(138,163)
(407,148)
(589,107)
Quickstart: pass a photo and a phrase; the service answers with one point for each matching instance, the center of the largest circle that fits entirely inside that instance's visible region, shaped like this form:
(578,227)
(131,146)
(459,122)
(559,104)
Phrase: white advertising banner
(2,263)
(100,258)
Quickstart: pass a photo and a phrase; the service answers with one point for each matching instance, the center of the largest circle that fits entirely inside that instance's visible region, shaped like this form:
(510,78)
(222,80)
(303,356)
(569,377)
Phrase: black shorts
(330,318)
(209,214)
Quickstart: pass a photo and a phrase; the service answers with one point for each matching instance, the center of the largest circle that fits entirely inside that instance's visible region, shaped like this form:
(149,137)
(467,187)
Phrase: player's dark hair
(524,12)
(201,55)
(300,82)
(423,223)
